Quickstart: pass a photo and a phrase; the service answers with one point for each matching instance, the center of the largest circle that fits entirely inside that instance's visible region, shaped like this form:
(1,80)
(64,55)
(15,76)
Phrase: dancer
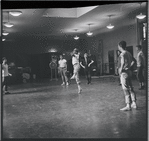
(125,76)
(5,74)
(140,66)
(63,69)
(76,66)
(86,64)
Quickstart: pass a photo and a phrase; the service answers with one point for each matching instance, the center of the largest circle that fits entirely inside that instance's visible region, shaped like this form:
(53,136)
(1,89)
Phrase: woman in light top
(63,69)
(5,74)
(76,67)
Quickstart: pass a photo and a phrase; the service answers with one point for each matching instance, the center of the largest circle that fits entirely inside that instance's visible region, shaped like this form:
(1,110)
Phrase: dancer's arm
(82,65)
(9,74)
(90,63)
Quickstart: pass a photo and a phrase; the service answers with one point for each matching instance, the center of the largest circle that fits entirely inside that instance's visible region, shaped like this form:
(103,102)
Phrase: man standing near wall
(140,66)
(125,76)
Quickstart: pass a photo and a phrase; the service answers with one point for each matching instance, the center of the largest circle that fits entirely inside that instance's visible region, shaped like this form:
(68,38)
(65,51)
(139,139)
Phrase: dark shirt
(85,63)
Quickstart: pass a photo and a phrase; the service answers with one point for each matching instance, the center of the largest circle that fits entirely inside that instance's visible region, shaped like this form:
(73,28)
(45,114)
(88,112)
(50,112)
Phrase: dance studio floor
(47,110)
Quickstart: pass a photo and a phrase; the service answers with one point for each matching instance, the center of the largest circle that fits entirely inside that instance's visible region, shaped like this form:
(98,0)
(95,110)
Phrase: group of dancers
(77,63)
(125,64)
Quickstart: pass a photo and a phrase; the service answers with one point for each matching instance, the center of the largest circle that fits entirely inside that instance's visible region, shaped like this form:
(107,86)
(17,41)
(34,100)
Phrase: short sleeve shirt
(140,59)
(75,59)
(62,63)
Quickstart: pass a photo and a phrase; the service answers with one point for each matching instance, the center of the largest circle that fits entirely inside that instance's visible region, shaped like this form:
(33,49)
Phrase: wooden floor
(46,109)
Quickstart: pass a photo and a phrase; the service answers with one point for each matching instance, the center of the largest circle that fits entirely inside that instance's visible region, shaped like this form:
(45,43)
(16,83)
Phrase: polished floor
(45,109)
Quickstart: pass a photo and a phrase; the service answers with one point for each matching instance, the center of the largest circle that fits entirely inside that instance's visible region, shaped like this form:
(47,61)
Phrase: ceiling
(62,22)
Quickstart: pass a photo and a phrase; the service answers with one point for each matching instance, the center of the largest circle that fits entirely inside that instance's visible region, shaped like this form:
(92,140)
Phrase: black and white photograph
(74,71)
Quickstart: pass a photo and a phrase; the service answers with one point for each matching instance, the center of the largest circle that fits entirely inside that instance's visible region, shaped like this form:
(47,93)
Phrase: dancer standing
(140,66)
(76,67)
(86,64)
(125,76)
(5,74)
(63,69)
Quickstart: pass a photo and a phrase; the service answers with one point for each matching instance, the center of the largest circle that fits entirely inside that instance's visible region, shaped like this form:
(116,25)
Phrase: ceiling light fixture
(89,33)
(8,24)
(140,16)
(3,39)
(5,33)
(76,37)
(110,26)
(15,13)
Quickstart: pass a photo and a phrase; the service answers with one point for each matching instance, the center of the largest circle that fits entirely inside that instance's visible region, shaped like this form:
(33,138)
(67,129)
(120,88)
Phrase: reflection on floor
(47,110)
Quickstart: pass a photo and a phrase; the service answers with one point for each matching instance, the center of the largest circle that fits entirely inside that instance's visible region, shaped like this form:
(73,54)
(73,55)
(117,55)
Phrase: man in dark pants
(5,75)
(86,64)
(140,66)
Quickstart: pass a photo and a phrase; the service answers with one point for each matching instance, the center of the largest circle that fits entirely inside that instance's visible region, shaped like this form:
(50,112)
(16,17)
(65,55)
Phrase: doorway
(111,62)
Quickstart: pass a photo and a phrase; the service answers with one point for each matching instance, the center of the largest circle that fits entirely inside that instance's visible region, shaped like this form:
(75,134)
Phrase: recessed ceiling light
(15,13)
(3,39)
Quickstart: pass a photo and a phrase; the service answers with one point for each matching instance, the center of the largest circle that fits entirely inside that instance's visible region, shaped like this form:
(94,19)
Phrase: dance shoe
(134,105)
(126,109)
(62,84)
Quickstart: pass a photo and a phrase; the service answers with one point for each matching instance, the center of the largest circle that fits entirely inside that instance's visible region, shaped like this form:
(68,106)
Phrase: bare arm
(81,65)
(91,62)
(133,62)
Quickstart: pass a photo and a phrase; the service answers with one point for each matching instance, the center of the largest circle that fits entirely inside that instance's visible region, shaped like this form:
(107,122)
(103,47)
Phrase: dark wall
(34,52)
